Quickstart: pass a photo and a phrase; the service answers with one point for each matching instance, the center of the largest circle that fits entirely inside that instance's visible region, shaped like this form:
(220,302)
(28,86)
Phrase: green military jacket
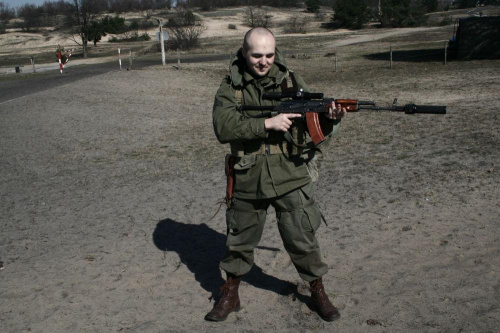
(260,176)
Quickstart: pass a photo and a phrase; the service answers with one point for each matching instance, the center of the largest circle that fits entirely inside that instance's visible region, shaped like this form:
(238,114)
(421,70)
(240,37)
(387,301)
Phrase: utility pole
(162,41)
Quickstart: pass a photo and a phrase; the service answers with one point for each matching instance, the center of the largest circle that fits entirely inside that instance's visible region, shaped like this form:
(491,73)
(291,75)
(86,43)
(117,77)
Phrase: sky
(18,3)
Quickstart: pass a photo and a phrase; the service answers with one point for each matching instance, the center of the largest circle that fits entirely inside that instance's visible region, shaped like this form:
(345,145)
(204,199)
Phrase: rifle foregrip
(435,109)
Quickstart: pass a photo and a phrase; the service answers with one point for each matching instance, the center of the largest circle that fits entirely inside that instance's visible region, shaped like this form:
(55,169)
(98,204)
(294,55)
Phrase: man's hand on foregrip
(335,112)
(280,122)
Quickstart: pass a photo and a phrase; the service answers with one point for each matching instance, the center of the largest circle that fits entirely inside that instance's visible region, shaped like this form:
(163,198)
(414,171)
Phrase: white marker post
(162,41)
(33,63)
(119,59)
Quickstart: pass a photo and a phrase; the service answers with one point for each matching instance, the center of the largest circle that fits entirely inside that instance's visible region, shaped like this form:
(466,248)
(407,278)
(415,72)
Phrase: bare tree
(81,18)
(32,16)
(257,17)
(295,25)
(185,30)
(185,37)
(6,13)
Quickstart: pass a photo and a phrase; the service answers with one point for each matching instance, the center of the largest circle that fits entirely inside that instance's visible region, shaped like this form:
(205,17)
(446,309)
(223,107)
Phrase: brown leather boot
(321,303)
(229,302)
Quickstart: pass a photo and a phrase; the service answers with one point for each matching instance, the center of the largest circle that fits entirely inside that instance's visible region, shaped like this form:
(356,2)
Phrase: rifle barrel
(408,108)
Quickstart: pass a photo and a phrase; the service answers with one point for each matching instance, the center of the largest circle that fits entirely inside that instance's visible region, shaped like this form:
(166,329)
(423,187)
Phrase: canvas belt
(237,149)
(266,149)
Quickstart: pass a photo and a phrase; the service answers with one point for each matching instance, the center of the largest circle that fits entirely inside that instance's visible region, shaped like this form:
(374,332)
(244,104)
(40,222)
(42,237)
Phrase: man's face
(260,54)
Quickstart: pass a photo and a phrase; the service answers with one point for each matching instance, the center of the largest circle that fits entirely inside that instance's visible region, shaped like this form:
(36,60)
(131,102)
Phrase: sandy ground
(107,191)
(24,43)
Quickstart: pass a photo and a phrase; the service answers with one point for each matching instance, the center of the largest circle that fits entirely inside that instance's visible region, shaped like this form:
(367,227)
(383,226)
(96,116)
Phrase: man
(271,169)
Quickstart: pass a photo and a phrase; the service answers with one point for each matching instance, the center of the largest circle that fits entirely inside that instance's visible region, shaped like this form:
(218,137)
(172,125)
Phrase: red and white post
(59,56)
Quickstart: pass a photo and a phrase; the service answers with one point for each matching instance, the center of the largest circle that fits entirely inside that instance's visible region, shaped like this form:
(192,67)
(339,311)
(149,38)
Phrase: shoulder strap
(237,148)
(289,82)
(239,96)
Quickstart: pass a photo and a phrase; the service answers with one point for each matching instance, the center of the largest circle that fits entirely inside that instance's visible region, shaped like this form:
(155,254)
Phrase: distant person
(270,169)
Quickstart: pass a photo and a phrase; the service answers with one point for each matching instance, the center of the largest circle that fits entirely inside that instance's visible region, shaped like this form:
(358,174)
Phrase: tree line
(85,19)
(354,14)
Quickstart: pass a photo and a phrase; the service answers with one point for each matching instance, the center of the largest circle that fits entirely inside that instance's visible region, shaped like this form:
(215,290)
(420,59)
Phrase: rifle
(310,105)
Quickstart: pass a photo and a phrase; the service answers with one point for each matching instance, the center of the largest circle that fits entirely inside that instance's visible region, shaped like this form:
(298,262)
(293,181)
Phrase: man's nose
(262,61)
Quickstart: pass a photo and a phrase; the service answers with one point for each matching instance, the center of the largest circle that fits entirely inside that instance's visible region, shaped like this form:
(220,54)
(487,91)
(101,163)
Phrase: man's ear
(244,52)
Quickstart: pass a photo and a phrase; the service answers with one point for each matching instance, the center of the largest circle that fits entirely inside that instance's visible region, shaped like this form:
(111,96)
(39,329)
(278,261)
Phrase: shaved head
(256,33)
(259,48)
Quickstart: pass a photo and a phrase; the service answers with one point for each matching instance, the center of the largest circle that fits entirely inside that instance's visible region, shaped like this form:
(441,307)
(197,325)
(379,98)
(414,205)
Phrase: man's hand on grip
(280,122)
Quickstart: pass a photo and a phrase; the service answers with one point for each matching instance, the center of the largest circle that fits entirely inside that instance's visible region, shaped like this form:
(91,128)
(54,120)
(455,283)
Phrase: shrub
(231,26)
(295,25)
(319,16)
(447,20)
(134,37)
(113,25)
(184,18)
(184,37)
(312,5)
(134,25)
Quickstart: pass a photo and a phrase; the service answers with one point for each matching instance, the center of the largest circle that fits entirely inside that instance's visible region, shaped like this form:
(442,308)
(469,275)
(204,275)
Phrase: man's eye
(270,55)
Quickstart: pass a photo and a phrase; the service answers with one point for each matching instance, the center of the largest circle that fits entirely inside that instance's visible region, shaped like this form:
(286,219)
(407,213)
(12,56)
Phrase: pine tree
(353,14)
(312,5)
(402,13)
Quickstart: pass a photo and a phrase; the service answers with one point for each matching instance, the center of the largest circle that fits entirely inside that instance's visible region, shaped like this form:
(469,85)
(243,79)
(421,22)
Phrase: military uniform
(270,170)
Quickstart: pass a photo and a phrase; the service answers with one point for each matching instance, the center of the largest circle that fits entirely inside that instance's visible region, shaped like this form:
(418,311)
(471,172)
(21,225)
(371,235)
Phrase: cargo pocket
(238,221)
(311,219)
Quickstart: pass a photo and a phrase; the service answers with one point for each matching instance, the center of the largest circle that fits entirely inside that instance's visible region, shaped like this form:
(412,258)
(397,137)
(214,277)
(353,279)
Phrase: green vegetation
(352,14)
(312,5)
(113,25)
(134,37)
(402,13)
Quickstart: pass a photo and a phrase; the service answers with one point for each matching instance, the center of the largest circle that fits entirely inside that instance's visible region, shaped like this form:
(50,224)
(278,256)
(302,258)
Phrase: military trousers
(298,219)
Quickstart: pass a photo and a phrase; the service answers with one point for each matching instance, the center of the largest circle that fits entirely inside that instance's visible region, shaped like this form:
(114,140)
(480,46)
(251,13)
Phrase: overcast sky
(18,3)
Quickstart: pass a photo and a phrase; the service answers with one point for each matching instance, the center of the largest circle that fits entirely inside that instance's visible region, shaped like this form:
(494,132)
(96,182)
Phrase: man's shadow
(200,248)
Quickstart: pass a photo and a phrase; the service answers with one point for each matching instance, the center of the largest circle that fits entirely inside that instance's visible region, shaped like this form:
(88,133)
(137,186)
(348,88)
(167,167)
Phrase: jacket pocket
(245,162)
